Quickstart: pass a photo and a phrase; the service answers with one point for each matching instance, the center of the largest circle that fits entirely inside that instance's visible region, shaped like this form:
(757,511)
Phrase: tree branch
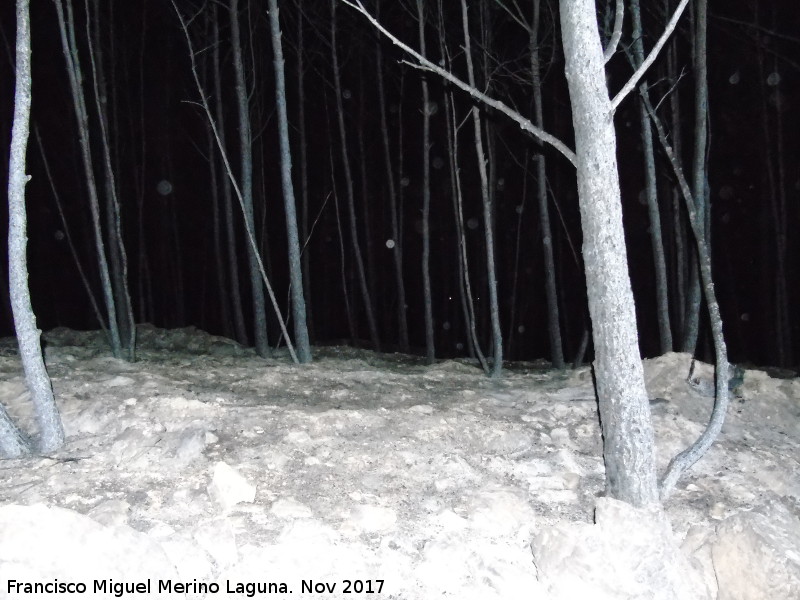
(424,64)
(637,75)
(616,34)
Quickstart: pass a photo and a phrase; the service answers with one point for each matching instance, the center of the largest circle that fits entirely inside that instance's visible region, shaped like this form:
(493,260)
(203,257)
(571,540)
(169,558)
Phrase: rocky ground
(203,465)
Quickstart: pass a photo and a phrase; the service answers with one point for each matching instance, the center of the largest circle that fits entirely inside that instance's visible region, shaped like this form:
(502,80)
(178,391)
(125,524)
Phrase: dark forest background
(167,171)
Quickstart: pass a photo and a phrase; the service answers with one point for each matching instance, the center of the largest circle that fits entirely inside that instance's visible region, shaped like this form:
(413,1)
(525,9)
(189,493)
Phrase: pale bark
(497,336)
(229,171)
(70,49)
(628,439)
(629,447)
(464,283)
(683,461)
(296,279)
(51,433)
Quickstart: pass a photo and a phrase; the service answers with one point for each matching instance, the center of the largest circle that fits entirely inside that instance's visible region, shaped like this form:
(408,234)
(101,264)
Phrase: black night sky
(158,134)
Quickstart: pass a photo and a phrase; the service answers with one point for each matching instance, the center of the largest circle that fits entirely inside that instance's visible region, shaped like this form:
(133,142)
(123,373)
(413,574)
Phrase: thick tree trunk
(629,447)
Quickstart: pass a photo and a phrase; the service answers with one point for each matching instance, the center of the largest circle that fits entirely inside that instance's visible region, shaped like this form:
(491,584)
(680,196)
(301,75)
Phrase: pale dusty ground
(366,466)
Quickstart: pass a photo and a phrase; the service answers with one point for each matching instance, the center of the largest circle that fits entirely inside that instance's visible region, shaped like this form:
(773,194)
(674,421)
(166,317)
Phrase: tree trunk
(553,319)
(681,266)
(227,197)
(51,433)
(699,175)
(464,285)
(430,348)
(69,46)
(656,240)
(246,155)
(303,155)
(491,277)
(295,274)
(628,440)
(683,461)
(348,176)
(397,250)
(118,256)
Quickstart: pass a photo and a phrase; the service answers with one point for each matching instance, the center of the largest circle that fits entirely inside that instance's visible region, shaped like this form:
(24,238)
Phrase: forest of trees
(501,179)
(393,199)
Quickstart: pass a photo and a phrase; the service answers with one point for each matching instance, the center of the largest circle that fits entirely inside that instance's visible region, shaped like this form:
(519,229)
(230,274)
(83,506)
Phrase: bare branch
(234,184)
(616,34)
(425,64)
(628,87)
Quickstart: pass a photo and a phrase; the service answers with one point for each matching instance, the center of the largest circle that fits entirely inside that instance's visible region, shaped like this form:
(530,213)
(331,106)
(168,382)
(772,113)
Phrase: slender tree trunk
(553,318)
(67,31)
(629,447)
(520,210)
(296,278)
(699,174)
(246,154)
(779,331)
(68,235)
(465,285)
(681,266)
(656,239)
(138,130)
(118,256)
(219,251)
(491,276)
(397,250)
(227,197)
(229,171)
(303,156)
(683,461)
(430,348)
(348,176)
(366,198)
(51,433)
(348,305)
